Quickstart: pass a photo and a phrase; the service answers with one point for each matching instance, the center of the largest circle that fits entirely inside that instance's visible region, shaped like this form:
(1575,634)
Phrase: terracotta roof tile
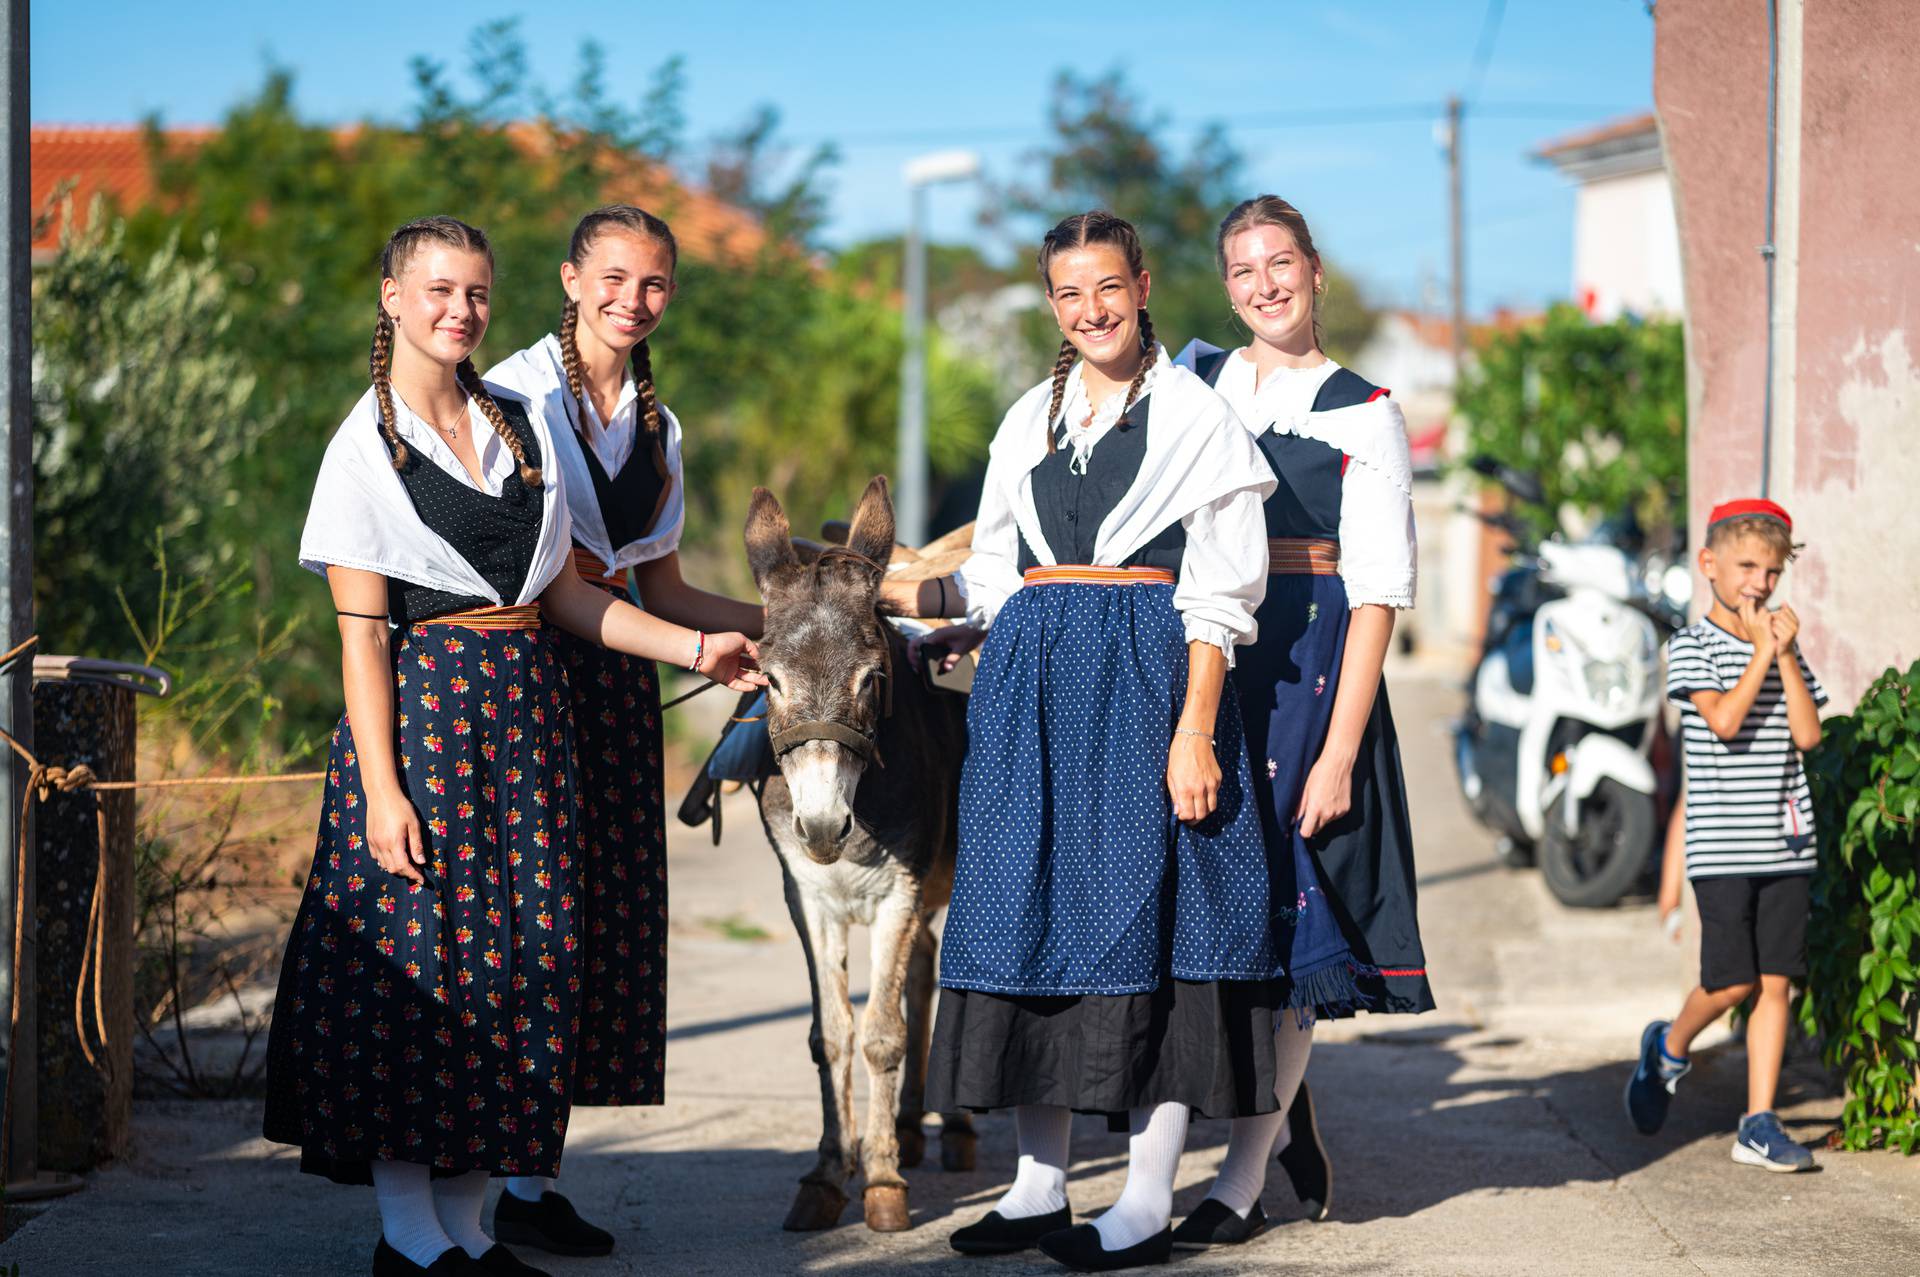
(1612,131)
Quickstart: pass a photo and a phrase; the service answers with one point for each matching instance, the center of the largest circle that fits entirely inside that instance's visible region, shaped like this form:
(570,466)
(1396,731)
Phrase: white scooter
(1565,702)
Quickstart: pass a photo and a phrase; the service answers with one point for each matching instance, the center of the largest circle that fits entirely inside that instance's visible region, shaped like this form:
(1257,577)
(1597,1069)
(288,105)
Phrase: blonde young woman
(426,1027)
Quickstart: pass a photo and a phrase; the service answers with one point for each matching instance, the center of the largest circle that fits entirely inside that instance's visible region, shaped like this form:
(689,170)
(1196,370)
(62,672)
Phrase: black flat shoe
(550,1224)
(1079,1248)
(453,1262)
(499,1259)
(1305,1158)
(995,1234)
(1214,1223)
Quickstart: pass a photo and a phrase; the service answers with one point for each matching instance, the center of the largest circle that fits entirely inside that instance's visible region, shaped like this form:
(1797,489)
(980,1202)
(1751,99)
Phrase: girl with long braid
(619,450)
(1117,941)
(425,1031)
(1341,562)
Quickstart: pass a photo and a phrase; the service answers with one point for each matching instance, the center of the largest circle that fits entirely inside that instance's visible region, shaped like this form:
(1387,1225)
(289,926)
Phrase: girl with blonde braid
(619,448)
(425,1031)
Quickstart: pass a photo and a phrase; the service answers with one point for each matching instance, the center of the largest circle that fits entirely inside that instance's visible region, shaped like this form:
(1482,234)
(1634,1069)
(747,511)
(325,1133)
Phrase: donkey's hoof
(815,1206)
(913,1145)
(956,1150)
(887,1209)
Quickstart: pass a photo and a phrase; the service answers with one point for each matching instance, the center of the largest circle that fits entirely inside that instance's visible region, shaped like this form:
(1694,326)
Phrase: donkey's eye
(773,682)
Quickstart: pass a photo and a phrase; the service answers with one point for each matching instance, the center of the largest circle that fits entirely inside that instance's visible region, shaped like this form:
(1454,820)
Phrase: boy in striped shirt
(1749,706)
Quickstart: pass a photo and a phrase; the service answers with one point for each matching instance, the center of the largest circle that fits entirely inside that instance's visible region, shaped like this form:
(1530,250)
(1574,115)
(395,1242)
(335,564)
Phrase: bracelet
(699,649)
(1188,731)
(365,616)
(942,583)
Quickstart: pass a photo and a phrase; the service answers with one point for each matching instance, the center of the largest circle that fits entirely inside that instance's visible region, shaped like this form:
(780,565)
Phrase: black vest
(496,535)
(1072,506)
(630,502)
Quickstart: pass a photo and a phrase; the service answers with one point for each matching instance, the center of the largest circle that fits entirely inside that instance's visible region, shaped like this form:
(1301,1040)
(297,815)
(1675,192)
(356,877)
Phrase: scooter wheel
(1606,854)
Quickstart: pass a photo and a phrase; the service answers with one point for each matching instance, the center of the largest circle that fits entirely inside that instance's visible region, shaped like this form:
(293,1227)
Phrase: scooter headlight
(1609,682)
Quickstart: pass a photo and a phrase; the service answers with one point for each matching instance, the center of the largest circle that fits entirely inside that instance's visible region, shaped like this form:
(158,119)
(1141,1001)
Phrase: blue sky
(888,81)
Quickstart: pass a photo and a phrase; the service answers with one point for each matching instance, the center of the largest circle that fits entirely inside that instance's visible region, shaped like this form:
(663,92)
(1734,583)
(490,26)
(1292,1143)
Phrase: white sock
(529,1188)
(457,1201)
(1153,1159)
(1040,1185)
(1254,1139)
(405,1196)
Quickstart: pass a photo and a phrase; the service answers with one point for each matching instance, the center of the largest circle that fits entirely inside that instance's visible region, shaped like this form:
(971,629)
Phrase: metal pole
(1455,218)
(910,502)
(17,1080)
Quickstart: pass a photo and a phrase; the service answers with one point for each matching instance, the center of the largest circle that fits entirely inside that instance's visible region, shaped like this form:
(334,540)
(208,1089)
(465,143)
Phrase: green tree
(1107,151)
(1597,411)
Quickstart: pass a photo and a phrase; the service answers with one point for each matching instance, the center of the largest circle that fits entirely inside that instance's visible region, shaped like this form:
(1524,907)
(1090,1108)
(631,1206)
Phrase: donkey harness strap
(822,729)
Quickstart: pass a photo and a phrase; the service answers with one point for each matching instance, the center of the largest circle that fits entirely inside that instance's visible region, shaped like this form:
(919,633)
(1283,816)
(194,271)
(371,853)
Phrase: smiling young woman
(620,453)
(1112,945)
(423,1036)
(1340,541)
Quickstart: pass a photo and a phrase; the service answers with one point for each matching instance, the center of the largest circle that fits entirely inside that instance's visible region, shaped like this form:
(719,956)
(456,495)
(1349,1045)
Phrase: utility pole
(1457,242)
(17,1057)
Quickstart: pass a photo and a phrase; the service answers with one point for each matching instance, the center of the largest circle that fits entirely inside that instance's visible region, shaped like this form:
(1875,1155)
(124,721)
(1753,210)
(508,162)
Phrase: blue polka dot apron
(1074,876)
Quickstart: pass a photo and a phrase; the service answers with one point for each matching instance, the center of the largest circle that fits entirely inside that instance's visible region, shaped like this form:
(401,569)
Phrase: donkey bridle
(862,743)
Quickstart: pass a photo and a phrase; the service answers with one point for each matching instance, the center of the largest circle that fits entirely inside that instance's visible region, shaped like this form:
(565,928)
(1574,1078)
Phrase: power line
(1483,52)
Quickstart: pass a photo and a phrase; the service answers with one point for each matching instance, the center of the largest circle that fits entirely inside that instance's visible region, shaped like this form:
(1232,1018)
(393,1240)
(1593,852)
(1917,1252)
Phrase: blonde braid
(378,366)
(649,404)
(570,359)
(477,391)
(1146,361)
(1062,365)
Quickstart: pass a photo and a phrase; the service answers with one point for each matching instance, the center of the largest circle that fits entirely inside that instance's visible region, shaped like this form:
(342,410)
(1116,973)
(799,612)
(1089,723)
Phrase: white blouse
(538,373)
(1377,540)
(1201,470)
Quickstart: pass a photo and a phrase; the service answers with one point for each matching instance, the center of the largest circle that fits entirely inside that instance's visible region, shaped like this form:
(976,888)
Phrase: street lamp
(910,501)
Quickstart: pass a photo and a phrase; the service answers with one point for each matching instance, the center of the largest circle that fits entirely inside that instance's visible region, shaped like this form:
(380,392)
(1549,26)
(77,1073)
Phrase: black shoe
(499,1259)
(995,1234)
(1305,1158)
(1214,1223)
(550,1224)
(453,1262)
(1080,1248)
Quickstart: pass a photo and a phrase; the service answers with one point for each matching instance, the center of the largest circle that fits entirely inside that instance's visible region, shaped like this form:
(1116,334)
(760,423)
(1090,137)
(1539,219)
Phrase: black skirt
(1206,1045)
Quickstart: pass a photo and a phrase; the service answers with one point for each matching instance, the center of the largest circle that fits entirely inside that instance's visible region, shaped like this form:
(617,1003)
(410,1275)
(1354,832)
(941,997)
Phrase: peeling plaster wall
(1846,450)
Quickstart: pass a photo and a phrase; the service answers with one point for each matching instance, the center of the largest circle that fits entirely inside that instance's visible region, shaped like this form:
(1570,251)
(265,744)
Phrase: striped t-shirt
(1748,809)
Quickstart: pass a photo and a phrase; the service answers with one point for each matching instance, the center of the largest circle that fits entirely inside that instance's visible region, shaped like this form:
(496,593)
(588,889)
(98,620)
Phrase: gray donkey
(864,815)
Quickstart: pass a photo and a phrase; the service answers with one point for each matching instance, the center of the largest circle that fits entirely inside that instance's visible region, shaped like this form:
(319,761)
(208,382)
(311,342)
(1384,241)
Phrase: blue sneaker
(1762,1142)
(1650,1089)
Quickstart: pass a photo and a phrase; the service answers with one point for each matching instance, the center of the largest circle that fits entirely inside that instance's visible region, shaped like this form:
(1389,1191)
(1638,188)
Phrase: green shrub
(1863,996)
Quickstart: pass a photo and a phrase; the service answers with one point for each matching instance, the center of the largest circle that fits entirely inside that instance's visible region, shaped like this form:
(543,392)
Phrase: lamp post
(910,497)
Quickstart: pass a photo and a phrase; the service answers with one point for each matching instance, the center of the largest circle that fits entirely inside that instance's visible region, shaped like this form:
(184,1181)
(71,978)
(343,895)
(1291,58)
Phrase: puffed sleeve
(991,574)
(1377,548)
(1223,573)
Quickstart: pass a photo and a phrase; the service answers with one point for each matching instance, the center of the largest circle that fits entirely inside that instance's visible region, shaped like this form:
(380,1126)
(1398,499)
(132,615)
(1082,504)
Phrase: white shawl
(361,516)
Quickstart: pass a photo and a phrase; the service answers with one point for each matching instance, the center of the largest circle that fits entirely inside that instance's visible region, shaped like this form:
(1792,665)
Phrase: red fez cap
(1751,507)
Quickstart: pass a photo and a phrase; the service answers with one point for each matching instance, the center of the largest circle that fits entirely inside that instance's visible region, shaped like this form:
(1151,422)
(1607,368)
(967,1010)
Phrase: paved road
(1486,1137)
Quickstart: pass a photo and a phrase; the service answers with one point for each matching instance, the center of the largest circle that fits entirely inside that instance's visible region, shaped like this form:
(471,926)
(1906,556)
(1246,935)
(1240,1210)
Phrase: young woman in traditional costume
(1341,562)
(618,448)
(424,1036)
(1118,941)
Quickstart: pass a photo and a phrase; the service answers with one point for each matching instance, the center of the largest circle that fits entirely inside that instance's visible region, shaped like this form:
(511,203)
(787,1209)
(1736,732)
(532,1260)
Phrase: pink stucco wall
(1848,442)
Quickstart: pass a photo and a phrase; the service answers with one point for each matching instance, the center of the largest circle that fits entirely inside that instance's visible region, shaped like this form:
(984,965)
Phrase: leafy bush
(1863,995)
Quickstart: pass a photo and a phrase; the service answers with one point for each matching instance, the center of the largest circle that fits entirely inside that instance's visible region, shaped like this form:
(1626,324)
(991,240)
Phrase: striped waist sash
(1302,556)
(1084,574)
(523,616)
(595,572)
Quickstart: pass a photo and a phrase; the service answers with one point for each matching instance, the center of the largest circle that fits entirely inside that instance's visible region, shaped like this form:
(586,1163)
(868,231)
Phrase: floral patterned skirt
(623,843)
(437,1024)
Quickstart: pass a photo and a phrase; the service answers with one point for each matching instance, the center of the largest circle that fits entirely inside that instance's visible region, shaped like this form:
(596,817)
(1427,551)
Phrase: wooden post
(85,1111)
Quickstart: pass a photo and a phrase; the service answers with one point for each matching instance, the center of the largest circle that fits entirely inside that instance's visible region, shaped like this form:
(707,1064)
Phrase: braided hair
(1080,231)
(634,221)
(1270,210)
(394,259)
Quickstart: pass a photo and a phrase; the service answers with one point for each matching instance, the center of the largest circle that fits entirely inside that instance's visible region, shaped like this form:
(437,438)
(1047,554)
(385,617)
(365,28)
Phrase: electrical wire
(1483,52)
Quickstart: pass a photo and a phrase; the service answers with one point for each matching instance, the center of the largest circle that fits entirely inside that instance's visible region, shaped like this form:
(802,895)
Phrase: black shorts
(1752,926)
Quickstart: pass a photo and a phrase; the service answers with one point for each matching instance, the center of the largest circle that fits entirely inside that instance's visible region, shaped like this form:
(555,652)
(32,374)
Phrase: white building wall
(1626,254)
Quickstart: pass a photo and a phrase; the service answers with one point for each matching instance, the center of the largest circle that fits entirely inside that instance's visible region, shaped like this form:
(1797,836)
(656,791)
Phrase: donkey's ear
(769,539)
(871,533)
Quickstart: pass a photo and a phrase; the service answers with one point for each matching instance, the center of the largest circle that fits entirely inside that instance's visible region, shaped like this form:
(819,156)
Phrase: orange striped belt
(1083,574)
(1302,556)
(523,616)
(595,572)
